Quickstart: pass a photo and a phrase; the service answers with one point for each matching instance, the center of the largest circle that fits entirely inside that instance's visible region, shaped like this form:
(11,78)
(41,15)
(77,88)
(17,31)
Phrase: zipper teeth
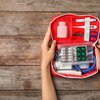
(73,44)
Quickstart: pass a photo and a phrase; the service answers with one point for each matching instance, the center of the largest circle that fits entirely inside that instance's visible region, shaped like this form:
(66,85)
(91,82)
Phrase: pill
(63,59)
(83,53)
(70,48)
(70,59)
(78,54)
(78,48)
(83,58)
(79,59)
(62,54)
(82,48)
(63,51)
(70,56)
(70,51)
(63,48)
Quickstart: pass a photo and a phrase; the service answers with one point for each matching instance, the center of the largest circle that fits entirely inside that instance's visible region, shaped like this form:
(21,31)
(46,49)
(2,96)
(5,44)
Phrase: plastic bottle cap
(62,23)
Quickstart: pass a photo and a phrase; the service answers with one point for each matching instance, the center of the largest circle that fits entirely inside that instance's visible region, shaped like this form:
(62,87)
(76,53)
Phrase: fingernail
(54,41)
(99,41)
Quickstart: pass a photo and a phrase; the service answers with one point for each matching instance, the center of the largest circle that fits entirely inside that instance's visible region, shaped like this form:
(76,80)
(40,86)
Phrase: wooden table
(23,24)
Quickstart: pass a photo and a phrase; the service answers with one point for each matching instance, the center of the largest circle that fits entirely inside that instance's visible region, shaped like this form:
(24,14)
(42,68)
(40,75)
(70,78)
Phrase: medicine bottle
(62,30)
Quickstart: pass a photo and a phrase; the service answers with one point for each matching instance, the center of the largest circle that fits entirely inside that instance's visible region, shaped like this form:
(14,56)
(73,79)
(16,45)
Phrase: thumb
(97,52)
(98,44)
(53,45)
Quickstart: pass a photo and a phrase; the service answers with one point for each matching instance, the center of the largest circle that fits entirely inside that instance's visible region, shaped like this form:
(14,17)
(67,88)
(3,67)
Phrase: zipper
(74,44)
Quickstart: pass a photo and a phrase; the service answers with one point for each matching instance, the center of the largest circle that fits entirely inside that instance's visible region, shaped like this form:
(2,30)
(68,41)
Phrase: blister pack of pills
(68,56)
(75,54)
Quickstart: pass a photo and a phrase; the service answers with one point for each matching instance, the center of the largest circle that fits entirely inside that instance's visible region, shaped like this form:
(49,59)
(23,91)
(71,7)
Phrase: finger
(49,44)
(97,52)
(53,45)
(99,41)
(47,37)
(98,46)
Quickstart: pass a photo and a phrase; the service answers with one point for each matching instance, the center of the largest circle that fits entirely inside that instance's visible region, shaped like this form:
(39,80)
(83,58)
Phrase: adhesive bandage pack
(76,36)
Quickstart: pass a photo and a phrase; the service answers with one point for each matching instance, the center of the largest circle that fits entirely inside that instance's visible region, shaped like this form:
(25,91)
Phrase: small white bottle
(62,30)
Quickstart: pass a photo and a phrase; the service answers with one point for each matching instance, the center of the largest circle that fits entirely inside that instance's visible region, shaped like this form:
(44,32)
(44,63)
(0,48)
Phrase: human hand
(97,52)
(48,49)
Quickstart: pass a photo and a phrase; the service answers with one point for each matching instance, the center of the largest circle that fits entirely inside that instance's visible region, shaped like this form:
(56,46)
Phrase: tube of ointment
(72,72)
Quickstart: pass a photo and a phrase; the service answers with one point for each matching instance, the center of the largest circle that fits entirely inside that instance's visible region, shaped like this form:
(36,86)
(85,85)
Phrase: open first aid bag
(76,36)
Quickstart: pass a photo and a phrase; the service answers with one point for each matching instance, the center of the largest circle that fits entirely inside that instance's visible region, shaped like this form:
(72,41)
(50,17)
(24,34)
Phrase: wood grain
(20,95)
(48,5)
(29,78)
(20,78)
(78,95)
(27,23)
(20,50)
(62,95)
(23,24)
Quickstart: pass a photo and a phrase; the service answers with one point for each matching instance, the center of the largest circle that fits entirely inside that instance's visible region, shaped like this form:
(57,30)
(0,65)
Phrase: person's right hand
(97,52)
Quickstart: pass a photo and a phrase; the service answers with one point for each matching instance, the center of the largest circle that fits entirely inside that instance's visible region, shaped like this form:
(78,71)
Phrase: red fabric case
(70,19)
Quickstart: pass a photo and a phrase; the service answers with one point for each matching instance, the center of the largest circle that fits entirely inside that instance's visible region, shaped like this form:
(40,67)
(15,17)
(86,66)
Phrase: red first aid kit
(76,36)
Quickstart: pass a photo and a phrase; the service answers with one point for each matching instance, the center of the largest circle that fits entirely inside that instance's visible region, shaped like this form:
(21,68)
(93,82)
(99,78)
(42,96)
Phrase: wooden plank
(91,83)
(55,5)
(23,23)
(29,78)
(27,23)
(62,95)
(20,50)
(78,95)
(20,95)
(20,78)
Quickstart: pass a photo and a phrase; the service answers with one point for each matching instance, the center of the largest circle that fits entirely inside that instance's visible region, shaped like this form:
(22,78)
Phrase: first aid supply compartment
(76,36)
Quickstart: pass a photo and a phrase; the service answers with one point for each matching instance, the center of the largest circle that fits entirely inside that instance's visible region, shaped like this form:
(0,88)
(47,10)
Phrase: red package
(74,33)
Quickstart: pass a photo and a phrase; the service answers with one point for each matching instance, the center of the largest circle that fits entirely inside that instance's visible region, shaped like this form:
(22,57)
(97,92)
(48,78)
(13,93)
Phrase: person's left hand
(48,49)
(97,52)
